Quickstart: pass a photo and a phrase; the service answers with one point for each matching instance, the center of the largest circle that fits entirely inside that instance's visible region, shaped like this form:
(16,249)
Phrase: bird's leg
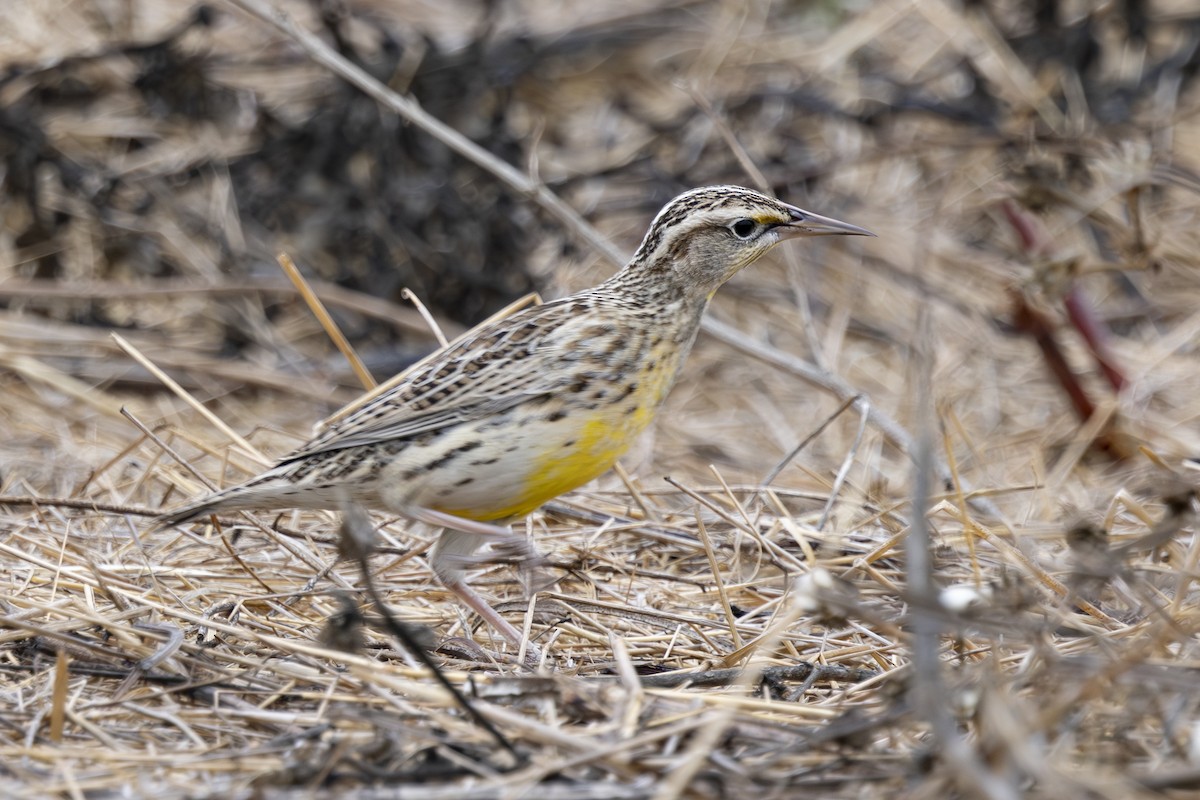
(454,552)
(506,542)
(443,520)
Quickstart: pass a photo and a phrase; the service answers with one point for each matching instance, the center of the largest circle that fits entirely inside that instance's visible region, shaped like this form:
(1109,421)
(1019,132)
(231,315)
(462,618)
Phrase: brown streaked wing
(425,403)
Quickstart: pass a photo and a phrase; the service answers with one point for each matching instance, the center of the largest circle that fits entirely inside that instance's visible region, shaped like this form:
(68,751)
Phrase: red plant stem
(1031,233)
(1030,321)
(1079,311)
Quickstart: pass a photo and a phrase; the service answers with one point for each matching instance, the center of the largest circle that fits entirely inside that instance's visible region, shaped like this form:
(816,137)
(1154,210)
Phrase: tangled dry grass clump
(918,521)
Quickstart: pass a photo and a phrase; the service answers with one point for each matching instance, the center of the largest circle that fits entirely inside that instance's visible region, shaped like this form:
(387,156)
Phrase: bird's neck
(656,290)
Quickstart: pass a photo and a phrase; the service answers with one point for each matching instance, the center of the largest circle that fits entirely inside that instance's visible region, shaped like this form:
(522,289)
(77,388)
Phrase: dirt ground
(917,521)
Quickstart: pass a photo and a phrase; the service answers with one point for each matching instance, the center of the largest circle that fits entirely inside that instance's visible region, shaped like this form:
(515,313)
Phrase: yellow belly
(597,446)
(582,446)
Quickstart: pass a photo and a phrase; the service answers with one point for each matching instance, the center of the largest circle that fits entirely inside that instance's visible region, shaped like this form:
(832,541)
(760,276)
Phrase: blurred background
(157,156)
(1030,168)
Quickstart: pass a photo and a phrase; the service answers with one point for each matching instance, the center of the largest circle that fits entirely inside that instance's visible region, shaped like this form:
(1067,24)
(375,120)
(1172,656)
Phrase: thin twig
(802,671)
(186,396)
(327,322)
(331,294)
(770,477)
(847,462)
(358,542)
(411,296)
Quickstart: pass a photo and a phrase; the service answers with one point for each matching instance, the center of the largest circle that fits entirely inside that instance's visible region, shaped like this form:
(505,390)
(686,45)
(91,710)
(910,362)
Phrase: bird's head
(705,236)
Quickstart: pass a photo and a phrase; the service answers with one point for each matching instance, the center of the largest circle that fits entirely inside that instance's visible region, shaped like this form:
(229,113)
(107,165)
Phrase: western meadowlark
(523,409)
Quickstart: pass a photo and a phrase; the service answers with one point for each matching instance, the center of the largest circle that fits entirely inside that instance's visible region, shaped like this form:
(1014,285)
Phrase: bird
(527,407)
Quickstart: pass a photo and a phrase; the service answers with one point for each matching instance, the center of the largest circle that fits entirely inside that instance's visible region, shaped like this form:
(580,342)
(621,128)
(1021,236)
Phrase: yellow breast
(577,448)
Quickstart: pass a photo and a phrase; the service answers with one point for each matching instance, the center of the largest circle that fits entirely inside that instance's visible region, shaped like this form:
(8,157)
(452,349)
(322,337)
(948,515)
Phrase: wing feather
(493,371)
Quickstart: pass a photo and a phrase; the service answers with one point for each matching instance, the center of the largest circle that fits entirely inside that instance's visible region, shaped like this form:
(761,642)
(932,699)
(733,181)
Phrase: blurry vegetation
(1031,170)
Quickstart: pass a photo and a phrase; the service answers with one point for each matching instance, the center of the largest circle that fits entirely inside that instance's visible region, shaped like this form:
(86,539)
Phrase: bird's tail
(264,492)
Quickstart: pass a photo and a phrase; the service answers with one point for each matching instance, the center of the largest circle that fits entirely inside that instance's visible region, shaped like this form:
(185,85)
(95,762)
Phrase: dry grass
(198,662)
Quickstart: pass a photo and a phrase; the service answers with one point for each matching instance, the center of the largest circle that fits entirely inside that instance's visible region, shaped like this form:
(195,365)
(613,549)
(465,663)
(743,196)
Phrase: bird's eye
(743,228)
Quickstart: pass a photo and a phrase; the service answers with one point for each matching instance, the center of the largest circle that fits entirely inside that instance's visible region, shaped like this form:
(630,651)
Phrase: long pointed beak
(806,223)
